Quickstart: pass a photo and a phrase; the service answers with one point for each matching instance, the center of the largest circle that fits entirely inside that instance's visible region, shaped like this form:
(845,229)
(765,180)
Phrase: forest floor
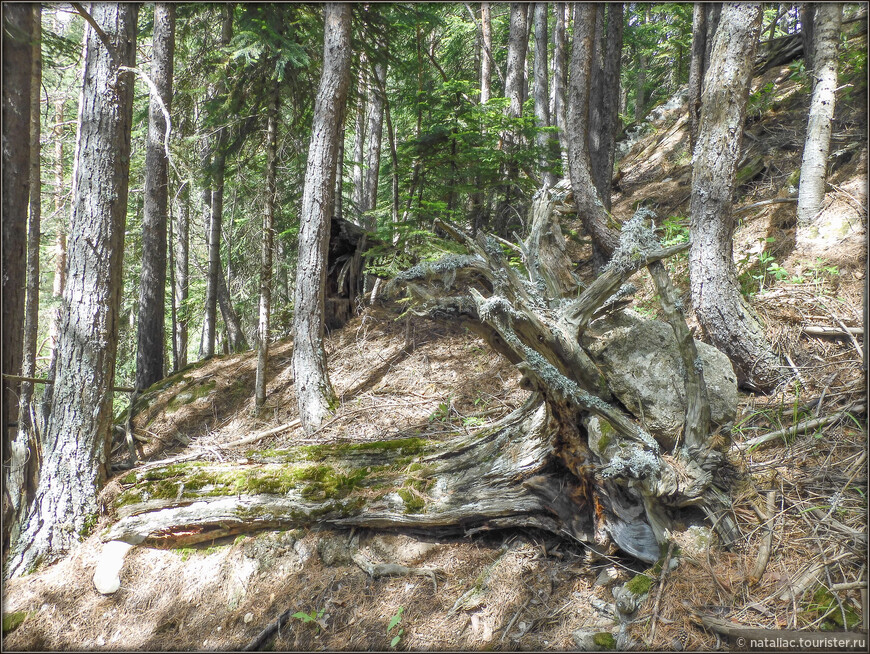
(800,496)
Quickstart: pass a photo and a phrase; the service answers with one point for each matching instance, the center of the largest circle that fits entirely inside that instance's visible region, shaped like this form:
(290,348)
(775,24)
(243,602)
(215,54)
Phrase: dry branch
(800,428)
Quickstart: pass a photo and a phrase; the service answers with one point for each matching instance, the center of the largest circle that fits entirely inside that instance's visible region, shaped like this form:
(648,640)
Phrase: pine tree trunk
(79,428)
(590,207)
(541,94)
(313,389)
(814,168)
(640,85)
(721,310)
(182,277)
(486,62)
(696,68)
(17,72)
(236,341)
(31,309)
(560,78)
(374,133)
(808,29)
(268,236)
(359,141)
(152,284)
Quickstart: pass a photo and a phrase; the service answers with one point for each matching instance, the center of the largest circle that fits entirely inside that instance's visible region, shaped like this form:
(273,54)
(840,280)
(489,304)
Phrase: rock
(593,641)
(107,577)
(606,577)
(249,618)
(335,549)
(640,360)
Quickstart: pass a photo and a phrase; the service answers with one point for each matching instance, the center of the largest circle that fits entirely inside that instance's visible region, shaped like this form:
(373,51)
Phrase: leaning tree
(575,459)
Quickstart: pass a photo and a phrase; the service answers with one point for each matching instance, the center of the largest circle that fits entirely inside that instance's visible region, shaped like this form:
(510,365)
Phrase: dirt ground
(801,497)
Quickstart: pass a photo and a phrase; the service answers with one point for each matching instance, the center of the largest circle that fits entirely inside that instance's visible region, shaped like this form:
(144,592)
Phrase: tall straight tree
(266,254)
(31,308)
(182,276)
(719,306)
(76,448)
(374,132)
(696,68)
(603,121)
(560,79)
(590,207)
(313,389)
(17,70)
(359,141)
(152,284)
(811,192)
(486,61)
(541,93)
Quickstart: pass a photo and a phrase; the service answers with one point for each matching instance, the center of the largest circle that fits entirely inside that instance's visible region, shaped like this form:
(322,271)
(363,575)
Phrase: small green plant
(674,231)
(474,421)
(318,617)
(442,413)
(392,624)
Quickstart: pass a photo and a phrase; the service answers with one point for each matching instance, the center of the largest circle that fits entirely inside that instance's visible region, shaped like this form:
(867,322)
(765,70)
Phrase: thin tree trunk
(313,389)
(596,220)
(152,283)
(696,68)
(268,235)
(374,132)
(640,91)
(182,278)
(17,74)
(31,309)
(560,78)
(486,60)
(236,341)
(814,168)
(79,429)
(714,12)
(359,141)
(541,94)
(808,33)
(721,310)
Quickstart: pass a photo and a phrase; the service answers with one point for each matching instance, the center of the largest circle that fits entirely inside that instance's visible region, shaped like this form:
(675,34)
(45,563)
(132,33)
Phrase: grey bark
(719,306)
(560,79)
(714,12)
(696,68)
(486,62)
(814,167)
(313,389)
(152,283)
(590,207)
(17,72)
(79,428)
(541,94)
(374,133)
(516,61)
(182,277)
(808,25)
(266,256)
(31,308)
(640,91)
(604,120)
(236,341)
(359,141)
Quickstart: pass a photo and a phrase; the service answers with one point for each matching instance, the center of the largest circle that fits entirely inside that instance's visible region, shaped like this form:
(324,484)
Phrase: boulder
(643,368)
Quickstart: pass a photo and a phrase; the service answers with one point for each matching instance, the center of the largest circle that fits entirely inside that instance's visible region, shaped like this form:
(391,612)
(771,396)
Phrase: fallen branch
(799,428)
(261,639)
(655,614)
(766,542)
(833,332)
(37,380)
(763,203)
(375,570)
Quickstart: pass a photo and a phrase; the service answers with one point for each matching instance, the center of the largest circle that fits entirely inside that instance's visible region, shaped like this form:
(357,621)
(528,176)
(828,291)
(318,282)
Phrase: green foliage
(11,621)
(760,101)
(318,617)
(674,231)
(393,623)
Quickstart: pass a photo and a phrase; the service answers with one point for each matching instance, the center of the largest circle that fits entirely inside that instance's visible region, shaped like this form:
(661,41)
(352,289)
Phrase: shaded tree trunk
(359,141)
(31,308)
(640,86)
(541,94)
(313,389)
(486,61)
(719,306)
(182,277)
(696,68)
(17,73)
(604,120)
(152,283)
(590,207)
(236,341)
(560,79)
(714,12)
(374,133)
(814,167)
(79,428)
(808,28)
(266,256)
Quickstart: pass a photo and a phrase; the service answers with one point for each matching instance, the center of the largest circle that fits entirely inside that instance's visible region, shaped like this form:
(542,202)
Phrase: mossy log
(572,460)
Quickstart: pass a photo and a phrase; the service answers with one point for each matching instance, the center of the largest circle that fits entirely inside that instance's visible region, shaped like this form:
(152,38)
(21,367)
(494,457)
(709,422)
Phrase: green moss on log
(604,640)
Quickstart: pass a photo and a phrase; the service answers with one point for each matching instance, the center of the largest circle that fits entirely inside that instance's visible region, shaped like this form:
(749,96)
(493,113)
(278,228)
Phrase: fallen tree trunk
(572,460)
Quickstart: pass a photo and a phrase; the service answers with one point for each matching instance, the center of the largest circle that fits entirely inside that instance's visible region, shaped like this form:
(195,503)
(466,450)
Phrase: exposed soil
(519,590)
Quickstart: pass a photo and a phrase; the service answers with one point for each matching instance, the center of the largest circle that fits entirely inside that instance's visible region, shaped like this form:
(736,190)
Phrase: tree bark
(236,341)
(606,101)
(721,310)
(313,389)
(541,95)
(640,86)
(486,62)
(808,25)
(814,167)
(79,427)
(266,257)
(359,141)
(374,132)
(560,73)
(152,283)
(696,69)
(182,277)
(590,207)
(714,13)
(17,73)
(31,308)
